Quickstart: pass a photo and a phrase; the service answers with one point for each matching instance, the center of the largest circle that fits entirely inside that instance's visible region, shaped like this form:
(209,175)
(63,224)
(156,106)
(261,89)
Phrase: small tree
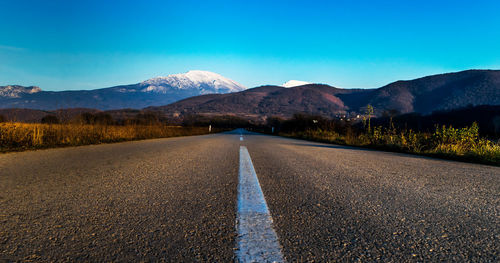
(103,118)
(50,119)
(369,112)
(147,118)
(2,118)
(274,123)
(86,118)
(100,118)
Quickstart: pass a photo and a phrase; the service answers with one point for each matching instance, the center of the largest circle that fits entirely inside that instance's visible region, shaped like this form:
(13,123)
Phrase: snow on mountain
(153,92)
(204,81)
(294,83)
(15,91)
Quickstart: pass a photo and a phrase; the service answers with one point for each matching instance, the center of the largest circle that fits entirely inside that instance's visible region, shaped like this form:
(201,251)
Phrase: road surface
(198,198)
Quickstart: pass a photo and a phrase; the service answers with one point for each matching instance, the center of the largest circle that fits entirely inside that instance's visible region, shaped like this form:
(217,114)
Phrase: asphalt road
(176,200)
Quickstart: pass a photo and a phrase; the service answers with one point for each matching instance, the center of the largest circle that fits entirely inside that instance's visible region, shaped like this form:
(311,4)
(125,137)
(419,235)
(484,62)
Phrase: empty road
(231,197)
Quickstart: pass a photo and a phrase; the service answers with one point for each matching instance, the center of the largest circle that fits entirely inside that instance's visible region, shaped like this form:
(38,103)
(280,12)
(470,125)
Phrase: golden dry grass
(447,142)
(20,136)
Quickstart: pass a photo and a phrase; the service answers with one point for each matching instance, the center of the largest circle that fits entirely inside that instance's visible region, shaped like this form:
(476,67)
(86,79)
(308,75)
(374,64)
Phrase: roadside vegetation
(86,129)
(445,141)
(470,134)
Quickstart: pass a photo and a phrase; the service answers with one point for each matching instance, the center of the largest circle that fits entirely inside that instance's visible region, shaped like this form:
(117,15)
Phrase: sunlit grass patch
(448,142)
(19,136)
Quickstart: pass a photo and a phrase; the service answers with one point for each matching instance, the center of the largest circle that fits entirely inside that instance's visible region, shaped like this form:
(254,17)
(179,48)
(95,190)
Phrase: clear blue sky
(94,44)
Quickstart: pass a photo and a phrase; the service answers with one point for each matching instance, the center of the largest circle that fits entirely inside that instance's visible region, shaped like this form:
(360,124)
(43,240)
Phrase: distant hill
(264,101)
(432,93)
(156,91)
(423,95)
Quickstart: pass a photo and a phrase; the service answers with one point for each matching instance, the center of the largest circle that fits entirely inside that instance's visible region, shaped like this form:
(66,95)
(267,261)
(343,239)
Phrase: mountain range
(424,95)
(200,92)
(153,92)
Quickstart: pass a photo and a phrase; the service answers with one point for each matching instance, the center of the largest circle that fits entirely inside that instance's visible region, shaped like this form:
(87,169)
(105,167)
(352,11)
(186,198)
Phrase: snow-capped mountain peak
(15,91)
(204,81)
(294,83)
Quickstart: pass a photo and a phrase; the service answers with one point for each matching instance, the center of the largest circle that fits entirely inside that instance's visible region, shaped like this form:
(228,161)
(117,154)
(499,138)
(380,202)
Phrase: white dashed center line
(257,241)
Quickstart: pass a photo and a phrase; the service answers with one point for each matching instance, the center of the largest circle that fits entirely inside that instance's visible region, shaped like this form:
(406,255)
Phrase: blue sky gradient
(61,45)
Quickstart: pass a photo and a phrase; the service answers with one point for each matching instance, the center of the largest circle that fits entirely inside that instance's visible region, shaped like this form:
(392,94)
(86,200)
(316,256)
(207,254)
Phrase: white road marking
(257,241)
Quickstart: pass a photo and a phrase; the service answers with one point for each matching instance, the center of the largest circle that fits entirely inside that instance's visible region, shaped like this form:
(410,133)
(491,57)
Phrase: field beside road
(443,141)
(23,136)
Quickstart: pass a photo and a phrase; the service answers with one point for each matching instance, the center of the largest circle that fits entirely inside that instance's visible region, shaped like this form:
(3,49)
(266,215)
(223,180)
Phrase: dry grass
(21,136)
(446,142)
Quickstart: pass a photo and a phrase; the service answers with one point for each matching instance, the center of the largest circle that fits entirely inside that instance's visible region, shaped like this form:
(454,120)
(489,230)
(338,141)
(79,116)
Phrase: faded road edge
(257,241)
